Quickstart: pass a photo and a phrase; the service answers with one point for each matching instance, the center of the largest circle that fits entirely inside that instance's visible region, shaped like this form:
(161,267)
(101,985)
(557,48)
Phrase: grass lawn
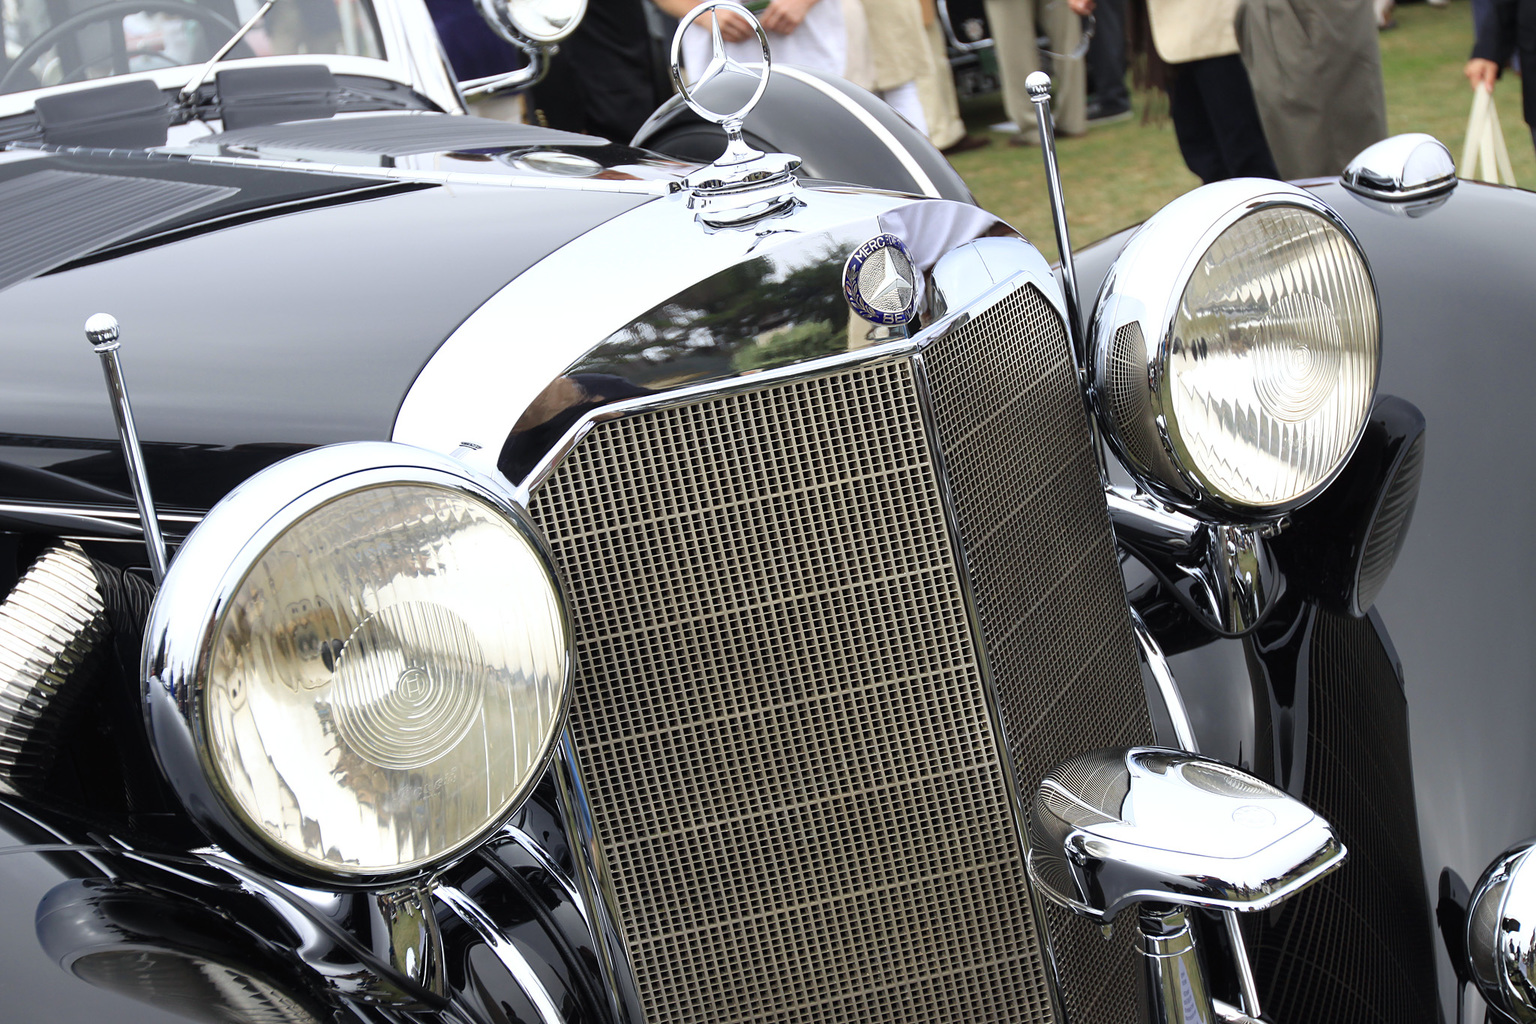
(1122,173)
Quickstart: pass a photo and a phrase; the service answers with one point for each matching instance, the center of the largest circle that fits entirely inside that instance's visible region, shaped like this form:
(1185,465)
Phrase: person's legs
(904,100)
(1192,128)
(1013,37)
(1222,137)
(936,90)
(1070,80)
(1106,60)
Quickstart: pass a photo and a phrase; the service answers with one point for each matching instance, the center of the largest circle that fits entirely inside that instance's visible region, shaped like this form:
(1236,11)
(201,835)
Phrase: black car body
(840,594)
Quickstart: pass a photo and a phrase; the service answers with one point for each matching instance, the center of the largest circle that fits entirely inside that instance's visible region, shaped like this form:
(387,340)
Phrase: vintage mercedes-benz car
(456,570)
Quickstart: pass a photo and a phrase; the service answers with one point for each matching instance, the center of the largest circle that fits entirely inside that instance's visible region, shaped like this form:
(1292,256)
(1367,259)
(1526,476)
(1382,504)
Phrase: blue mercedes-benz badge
(881,282)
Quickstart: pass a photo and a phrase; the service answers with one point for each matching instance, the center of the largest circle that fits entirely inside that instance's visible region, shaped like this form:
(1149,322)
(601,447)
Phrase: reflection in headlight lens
(386,680)
(1273,358)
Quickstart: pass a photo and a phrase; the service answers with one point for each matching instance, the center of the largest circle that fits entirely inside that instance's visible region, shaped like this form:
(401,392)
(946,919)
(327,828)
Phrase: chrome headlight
(1236,343)
(358,664)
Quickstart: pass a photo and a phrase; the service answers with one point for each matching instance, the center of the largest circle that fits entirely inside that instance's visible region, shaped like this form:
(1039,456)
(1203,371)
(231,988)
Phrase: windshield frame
(413,57)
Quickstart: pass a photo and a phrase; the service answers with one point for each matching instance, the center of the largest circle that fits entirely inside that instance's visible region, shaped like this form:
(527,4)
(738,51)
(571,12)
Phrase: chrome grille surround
(796,693)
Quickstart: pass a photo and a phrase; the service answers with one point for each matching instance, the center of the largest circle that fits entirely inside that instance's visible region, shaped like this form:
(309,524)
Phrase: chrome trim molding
(636,187)
(511,957)
(1167,686)
(596,885)
(480,381)
(92,522)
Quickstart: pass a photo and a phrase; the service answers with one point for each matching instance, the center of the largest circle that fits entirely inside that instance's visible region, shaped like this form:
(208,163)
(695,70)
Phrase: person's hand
(1081,7)
(1481,73)
(733,28)
(784,16)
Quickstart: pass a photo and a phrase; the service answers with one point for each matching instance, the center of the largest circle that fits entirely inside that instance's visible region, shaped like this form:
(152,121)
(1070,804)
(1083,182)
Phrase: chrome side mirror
(1116,827)
(533,26)
(1501,933)
(1171,830)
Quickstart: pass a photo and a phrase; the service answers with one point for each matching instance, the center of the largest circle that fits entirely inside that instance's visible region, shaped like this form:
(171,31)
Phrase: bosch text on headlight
(1235,345)
(358,664)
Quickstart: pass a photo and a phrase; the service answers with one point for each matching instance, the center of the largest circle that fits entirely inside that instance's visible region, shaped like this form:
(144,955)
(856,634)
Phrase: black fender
(1455,280)
(840,132)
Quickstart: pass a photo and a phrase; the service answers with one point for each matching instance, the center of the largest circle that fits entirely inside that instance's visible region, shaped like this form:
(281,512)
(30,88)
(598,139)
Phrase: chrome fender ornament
(740,168)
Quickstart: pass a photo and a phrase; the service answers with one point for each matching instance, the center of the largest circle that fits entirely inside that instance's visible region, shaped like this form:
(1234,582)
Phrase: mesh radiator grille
(1048,588)
(780,709)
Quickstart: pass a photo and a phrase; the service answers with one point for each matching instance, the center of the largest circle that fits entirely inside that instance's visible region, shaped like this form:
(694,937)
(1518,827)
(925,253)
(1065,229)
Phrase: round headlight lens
(384,676)
(1239,379)
(1272,358)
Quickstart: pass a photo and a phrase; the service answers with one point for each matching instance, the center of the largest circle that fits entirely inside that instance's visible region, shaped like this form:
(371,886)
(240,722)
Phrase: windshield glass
(50,42)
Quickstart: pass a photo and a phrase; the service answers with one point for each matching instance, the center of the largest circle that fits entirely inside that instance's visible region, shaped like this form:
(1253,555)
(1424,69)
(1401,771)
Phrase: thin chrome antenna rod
(1038,85)
(102,331)
(189,91)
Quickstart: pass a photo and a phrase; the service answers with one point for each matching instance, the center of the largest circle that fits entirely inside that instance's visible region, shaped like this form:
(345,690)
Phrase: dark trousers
(1216,121)
(1106,54)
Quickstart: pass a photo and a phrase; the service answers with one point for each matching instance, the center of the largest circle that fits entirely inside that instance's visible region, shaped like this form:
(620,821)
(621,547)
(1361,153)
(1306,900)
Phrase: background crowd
(1277,88)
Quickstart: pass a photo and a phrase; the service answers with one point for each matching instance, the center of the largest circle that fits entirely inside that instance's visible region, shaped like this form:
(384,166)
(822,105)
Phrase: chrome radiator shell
(829,624)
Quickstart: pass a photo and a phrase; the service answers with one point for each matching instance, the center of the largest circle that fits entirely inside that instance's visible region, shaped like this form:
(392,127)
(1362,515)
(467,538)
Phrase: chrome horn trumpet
(1171,830)
(1501,933)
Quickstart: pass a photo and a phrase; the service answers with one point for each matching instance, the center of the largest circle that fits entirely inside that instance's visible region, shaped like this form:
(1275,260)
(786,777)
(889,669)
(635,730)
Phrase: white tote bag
(1485,156)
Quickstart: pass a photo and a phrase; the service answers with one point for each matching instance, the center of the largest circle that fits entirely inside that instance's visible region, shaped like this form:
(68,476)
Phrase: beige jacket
(898,43)
(1186,30)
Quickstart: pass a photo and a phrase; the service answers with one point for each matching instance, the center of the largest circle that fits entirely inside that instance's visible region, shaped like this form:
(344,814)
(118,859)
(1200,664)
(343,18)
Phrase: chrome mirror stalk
(1501,934)
(1176,992)
(1038,85)
(525,77)
(102,331)
(1171,830)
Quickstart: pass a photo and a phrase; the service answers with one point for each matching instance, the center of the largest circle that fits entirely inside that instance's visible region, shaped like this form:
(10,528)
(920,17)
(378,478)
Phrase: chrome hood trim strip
(643,188)
(476,387)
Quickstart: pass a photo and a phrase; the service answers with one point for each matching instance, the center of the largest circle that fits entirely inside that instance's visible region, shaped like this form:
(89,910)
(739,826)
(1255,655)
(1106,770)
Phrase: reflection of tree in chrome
(757,314)
(805,340)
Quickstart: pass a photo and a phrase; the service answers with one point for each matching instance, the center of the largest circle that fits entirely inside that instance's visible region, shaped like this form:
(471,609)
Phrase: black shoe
(1101,112)
(967,143)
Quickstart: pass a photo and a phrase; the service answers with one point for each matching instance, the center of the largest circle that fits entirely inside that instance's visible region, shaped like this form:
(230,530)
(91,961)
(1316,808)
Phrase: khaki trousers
(1013,24)
(936,90)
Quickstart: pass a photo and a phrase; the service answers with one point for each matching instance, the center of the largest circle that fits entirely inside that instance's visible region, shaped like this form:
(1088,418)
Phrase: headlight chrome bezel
(1146,286)
(211,564)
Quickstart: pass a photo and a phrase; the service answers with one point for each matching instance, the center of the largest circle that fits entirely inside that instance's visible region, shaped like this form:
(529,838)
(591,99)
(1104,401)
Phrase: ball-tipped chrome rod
(1038,85)
(102,331)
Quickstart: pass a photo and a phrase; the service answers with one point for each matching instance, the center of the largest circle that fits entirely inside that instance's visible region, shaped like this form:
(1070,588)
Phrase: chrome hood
(679,304)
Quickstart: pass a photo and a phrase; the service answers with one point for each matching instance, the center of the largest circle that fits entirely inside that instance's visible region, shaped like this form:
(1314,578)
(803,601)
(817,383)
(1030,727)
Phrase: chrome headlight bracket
(358,666)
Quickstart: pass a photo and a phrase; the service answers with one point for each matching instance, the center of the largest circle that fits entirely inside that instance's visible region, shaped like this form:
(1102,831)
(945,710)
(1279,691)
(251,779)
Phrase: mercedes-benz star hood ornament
(740,169)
